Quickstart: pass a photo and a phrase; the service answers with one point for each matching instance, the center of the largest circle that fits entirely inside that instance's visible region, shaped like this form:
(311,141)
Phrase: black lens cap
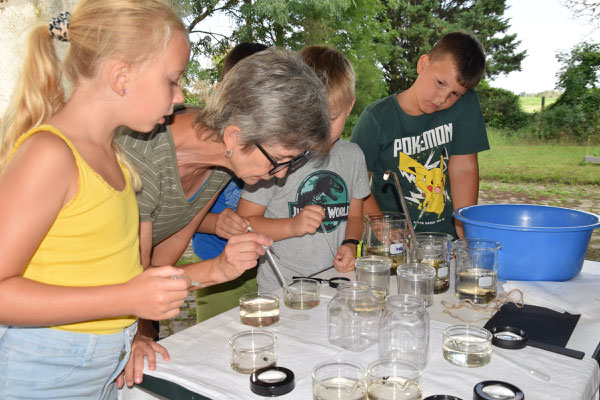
(442,397)
(497,390)
(272,381)
(509,337)
(334,282)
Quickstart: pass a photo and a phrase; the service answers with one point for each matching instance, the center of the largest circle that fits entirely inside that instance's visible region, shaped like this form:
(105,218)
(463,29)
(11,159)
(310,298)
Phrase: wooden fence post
(543,102)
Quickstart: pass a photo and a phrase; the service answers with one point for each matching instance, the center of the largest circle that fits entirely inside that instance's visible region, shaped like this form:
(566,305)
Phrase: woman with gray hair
(269,111)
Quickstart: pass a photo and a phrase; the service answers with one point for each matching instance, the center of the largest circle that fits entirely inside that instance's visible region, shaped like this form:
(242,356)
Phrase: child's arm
(307,221)
(346,254)
(463,172)
(370,205)
(41,178)
(224,224)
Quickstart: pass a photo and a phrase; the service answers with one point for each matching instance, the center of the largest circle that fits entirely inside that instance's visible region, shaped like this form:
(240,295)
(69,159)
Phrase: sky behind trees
(544,27)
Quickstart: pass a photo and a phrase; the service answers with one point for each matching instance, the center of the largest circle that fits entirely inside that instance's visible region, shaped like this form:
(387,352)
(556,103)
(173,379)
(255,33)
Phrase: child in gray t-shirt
(320,193)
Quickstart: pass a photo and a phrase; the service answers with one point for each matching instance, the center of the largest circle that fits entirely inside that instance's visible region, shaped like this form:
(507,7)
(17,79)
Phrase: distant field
(550,163)
(533,104)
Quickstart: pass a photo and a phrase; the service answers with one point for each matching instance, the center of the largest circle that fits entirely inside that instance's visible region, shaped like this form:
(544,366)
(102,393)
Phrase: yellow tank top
(93,241)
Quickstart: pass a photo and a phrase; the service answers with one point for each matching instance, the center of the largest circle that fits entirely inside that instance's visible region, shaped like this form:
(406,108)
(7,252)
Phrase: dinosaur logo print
(327,189)
(430,182)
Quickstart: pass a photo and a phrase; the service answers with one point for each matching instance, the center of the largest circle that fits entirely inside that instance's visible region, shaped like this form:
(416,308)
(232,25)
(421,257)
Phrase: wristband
(351,241)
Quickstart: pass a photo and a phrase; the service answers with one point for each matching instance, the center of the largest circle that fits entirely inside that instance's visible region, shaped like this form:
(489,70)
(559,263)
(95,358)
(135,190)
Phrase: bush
(501,108)
(577,121)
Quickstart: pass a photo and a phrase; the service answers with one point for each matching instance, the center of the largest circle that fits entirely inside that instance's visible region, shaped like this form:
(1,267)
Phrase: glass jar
(353,317)
(404,329)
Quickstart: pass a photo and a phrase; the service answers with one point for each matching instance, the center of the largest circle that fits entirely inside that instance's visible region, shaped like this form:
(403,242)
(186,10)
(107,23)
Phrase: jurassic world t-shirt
(330,182)
(418,148)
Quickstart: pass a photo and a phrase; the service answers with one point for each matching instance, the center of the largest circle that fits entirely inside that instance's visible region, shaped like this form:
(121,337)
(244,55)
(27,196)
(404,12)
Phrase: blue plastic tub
(539,243)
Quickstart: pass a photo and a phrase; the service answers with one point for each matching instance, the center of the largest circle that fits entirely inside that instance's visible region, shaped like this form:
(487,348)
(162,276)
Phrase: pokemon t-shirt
(418,149)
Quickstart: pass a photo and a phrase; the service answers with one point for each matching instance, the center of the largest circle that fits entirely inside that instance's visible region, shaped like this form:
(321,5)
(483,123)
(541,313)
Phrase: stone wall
(16,17)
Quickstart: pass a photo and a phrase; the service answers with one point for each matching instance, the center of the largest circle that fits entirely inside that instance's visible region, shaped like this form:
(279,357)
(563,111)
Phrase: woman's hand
(229,223)
(308,220)
(344,259)
(240,253)
(141,347)
(156,295)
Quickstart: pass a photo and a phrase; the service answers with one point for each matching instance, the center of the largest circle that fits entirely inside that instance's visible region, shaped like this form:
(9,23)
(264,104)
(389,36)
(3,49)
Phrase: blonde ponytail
(130,30)
(38,92)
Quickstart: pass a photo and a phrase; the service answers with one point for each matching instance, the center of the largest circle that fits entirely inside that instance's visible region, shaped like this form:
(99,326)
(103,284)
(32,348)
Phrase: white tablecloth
(200,361)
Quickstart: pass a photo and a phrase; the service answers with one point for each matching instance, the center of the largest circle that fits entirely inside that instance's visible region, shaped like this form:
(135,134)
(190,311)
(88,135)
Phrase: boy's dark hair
(238,53)
(466,52)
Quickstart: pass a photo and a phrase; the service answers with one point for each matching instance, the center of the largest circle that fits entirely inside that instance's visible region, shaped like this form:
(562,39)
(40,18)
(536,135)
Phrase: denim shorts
(42,363)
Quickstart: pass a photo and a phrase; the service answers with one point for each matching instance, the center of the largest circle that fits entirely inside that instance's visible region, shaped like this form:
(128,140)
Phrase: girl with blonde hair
(71,281)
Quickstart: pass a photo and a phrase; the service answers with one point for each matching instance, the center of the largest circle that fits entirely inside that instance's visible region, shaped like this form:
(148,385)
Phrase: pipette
(273,264)
(327,239)
(386,176)
(531,371)
(192,283)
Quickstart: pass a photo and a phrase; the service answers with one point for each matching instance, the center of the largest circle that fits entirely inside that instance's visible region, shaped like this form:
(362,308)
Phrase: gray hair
(275,99)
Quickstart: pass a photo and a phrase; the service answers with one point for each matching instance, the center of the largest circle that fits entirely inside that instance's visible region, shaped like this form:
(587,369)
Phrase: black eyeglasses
(279,166)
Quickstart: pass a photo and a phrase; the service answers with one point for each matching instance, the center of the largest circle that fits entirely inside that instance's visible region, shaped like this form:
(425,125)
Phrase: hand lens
(510,337)
(497,390)
(272,381)
(333,282)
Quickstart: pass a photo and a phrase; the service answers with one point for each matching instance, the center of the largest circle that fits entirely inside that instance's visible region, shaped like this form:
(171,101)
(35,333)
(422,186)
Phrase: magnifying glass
(510,337)
(333,282)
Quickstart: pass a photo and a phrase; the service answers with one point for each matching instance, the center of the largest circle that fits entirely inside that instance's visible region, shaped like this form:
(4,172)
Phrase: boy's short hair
(239,52)
(468,56)
(335,70)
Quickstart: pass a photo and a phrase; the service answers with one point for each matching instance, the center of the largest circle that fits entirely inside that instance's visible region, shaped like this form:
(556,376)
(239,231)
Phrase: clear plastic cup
(339,380)
(467,346)
(392,379)
(259,309)
(303,294)
(252,350)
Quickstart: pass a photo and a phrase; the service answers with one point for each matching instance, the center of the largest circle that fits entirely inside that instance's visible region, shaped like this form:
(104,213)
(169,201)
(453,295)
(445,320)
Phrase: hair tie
(59,26)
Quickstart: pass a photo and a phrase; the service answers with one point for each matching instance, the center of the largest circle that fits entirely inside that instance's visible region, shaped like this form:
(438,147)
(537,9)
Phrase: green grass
(534,104)
(556,163)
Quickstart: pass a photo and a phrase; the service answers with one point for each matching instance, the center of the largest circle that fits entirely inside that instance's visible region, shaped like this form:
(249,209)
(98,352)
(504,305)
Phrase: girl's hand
(344,259)
(141,347)
(308,220)
(156,295)
(240,253)
(229,223)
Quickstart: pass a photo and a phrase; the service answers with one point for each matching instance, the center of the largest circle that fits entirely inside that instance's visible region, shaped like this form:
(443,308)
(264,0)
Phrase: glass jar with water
(353,317)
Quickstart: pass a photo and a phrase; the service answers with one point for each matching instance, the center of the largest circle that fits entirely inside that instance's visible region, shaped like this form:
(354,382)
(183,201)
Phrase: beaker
(433,248)
(476,263)
(384,235)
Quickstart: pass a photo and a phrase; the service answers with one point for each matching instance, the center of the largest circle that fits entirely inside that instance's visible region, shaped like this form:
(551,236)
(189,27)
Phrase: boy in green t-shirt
(429,135)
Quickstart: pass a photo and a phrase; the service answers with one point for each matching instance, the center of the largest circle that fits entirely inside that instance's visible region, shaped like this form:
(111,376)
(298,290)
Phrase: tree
(419,24)
(576,112)
(587,9)
(382,38)
(354,27)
